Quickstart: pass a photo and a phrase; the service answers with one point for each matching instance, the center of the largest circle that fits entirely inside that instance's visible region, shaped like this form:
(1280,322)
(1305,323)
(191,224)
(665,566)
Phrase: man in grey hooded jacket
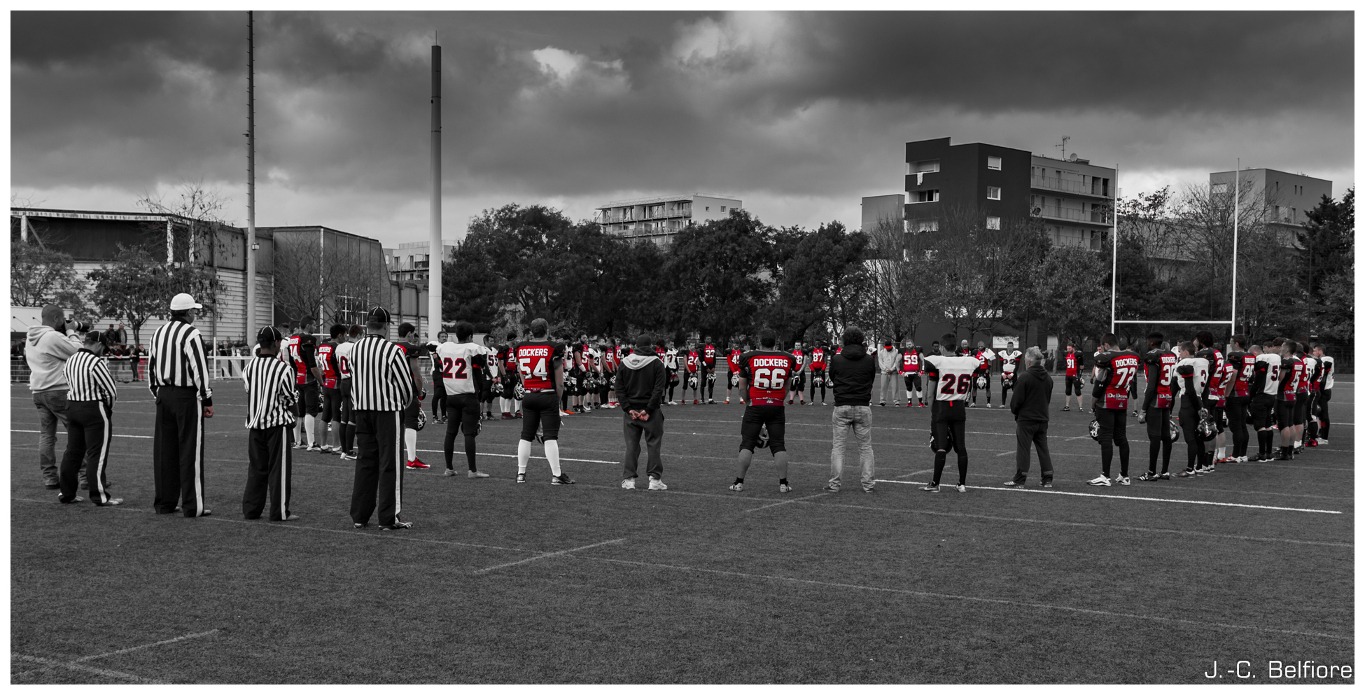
(640,386)
(47,349)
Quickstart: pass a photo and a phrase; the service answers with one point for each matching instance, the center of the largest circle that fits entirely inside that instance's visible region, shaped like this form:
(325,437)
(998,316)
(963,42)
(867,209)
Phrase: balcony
(1071,215)
(1053,183)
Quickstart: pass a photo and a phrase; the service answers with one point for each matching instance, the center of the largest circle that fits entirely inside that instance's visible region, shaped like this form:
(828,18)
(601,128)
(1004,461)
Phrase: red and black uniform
(1073,372)
(708,370)
(1213,400)
(818,364)
(536,361)
(1242,366)
(912,365)
(733,364)
(510,377)
(411,353)
(1157,403)
(1117,370)
(1291,370)
(331,395)
(305,361)
(798,379)
(767,373)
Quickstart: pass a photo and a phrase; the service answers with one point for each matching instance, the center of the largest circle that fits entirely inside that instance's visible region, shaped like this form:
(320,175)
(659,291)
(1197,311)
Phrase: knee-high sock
(552,453)
(410,441)
(940,458)
(310,424)
(326,433)
(523,454)
(470,449)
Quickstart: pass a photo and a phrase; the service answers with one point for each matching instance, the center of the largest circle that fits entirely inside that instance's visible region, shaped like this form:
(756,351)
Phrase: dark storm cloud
(584,107)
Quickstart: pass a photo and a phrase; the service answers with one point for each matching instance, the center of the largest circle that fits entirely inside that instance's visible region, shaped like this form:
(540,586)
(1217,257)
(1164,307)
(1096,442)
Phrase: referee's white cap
(183,301)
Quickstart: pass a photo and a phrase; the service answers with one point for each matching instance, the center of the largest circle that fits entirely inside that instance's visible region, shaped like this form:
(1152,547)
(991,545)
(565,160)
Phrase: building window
(992,193)
(923,196)
(992,222)
(722,208)
(993,163)
(925,226)
(928,166)
(708,208)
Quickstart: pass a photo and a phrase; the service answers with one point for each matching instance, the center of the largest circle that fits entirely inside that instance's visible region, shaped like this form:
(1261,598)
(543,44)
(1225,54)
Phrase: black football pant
(1324,397)
(178,451)
(1159,438)
(1237,422)
(1031,435)
(1189,429)
(438,397)
(347,418)
(950,433)
(378,466)
(463,409)
(89,429)
(813,375)
(269,468)
(1113,430)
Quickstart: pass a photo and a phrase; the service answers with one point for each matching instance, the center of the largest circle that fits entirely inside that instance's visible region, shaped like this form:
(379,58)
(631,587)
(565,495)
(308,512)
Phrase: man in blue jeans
(852,372)
(46,350)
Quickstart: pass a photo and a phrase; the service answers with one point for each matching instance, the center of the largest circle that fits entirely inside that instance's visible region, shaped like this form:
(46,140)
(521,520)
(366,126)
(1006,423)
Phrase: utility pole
(435,255)
(249,318)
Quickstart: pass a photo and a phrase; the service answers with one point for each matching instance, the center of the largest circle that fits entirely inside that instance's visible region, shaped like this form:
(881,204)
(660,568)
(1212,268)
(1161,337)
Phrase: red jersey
(304,360)
(800,359)
(817,360)
(329,372)
(1073,364)
(768,373)
(1292,369)
(609,360)
(910,361)
(1161,372)
(708,356)
(1119,370)
(734,359)
(1244,366)
(692,361)
(535,363)
(659,351)
(508,360)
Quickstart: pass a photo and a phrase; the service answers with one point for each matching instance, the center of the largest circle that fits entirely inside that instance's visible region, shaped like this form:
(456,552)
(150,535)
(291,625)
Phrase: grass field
(506,583)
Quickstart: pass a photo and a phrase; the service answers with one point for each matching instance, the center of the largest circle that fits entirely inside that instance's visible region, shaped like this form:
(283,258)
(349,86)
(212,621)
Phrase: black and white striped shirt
(380,378)
(89,378)
(270,393)
(178,359)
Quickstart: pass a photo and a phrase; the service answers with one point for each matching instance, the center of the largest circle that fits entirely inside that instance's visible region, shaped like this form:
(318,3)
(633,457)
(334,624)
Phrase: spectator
(640,385)
(47,349)
(888,365)
(1029,403)
(852,372)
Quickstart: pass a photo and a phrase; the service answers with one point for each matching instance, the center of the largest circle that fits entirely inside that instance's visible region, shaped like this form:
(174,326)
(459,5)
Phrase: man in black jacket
(852,371)
(1029,403)
(640,386)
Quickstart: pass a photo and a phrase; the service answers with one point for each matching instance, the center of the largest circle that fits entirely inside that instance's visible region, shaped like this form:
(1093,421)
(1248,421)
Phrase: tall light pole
(435,254)
(250,177)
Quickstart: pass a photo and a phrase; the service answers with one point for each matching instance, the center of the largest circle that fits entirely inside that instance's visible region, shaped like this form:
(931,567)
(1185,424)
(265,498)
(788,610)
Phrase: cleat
(1099,481)
(1148,476)
(397,526)
(931,487)
(113,502)
(1187,473)
(416,465)
(824,403)
(1322,441)
(869,489)
(518,416)
(507,416)
(923,405)
(313,447)
(988,405)
(566,411)
(1123,480)
(696,402)
(1047,483)
(784,488)
(961,488)
(737,487)
(347,457)
(831,488)
(299,445)
(521,477)
(1164,476)
(450,472)
(656,484)
(291,517)
(476,474)
(1066,408)
(727,401)
(358,525)
(711,401)
(628,484)
(971,405)
(882,404)
(1011,483)
(562,479)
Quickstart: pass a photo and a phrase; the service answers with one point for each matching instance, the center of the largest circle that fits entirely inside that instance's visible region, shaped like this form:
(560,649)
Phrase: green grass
(704,585)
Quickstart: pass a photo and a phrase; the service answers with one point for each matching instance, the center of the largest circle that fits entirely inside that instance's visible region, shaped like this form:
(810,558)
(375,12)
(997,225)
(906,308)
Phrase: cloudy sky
(797,114)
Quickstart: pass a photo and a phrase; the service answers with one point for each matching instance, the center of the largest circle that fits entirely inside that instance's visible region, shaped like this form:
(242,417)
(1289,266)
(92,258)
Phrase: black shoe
(562,479)
(1047,483)
(359,524)
(52,486)
(398,525)
(1011,483)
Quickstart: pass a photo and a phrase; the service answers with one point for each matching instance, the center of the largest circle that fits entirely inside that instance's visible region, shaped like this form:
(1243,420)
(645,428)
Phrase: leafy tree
(1326,261)
(1073,307)
(819,276)
(719,269)
(134,287)
(901,280)
(40,275)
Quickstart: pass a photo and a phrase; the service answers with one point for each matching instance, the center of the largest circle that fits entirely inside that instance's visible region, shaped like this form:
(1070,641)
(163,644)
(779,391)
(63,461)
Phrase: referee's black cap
(268,335)
(378,315)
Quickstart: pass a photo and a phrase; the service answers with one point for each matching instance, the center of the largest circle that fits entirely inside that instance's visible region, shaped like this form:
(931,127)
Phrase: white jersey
(1201,377)
(951,376)
(458,362)
(671,359)
(1330,367)
(1272,373)
(343,354)
(1009,360)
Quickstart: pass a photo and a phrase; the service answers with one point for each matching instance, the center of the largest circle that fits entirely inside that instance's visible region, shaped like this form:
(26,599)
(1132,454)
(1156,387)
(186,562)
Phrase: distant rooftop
(662,199)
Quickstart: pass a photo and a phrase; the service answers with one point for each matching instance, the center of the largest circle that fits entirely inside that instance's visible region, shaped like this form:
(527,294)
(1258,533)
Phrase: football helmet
(1095,430)
(734,379)
(692,382)
(421,419)
(711,378)
(762,438)
(1175,431)
(518,391)
(981,382)
(1206,428)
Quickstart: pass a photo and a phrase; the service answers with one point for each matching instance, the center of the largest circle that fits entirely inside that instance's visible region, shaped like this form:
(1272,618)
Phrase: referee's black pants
(88,432)
(270,467)
(378,466)
(178,451)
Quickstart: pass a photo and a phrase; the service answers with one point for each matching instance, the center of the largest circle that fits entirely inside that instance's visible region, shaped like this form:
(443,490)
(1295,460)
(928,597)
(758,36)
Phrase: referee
(381,388)
(179,380)
(271,396)
(90,406)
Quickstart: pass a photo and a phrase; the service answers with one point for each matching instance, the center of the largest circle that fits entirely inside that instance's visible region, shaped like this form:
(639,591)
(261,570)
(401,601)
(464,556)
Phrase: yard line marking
(542,556)
(63,432)
(915,473)
(1129,497)
(74,666)
(978,599)
(778,504)
(173,640)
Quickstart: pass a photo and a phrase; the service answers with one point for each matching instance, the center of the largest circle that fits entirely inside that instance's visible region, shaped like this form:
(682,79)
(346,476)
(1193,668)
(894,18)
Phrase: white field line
(1128,497)
(116,652)
(542,556)
(1201,624)
(74,666)
(778,504)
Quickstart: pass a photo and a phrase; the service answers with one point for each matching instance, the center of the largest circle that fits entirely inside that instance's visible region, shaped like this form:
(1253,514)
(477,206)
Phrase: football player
(1291,370)
(912,363)
(669,355)
(817,372)
(1192,374)
(491,376)
(1265,384)
(540,363)
(1073,376)
(1115,370)
(461,366)
(1327,377)
(407,342)
(708,371)
(438,394)
(1214,398)
(950,384)
(1009,365)
(798,378)
(342,354)
(764,374)
(986,356)
(1157,402)
(331,397)
(610,359)
(567,382)
(1304,396)
(1241,365)
(310,398)
(732,378)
